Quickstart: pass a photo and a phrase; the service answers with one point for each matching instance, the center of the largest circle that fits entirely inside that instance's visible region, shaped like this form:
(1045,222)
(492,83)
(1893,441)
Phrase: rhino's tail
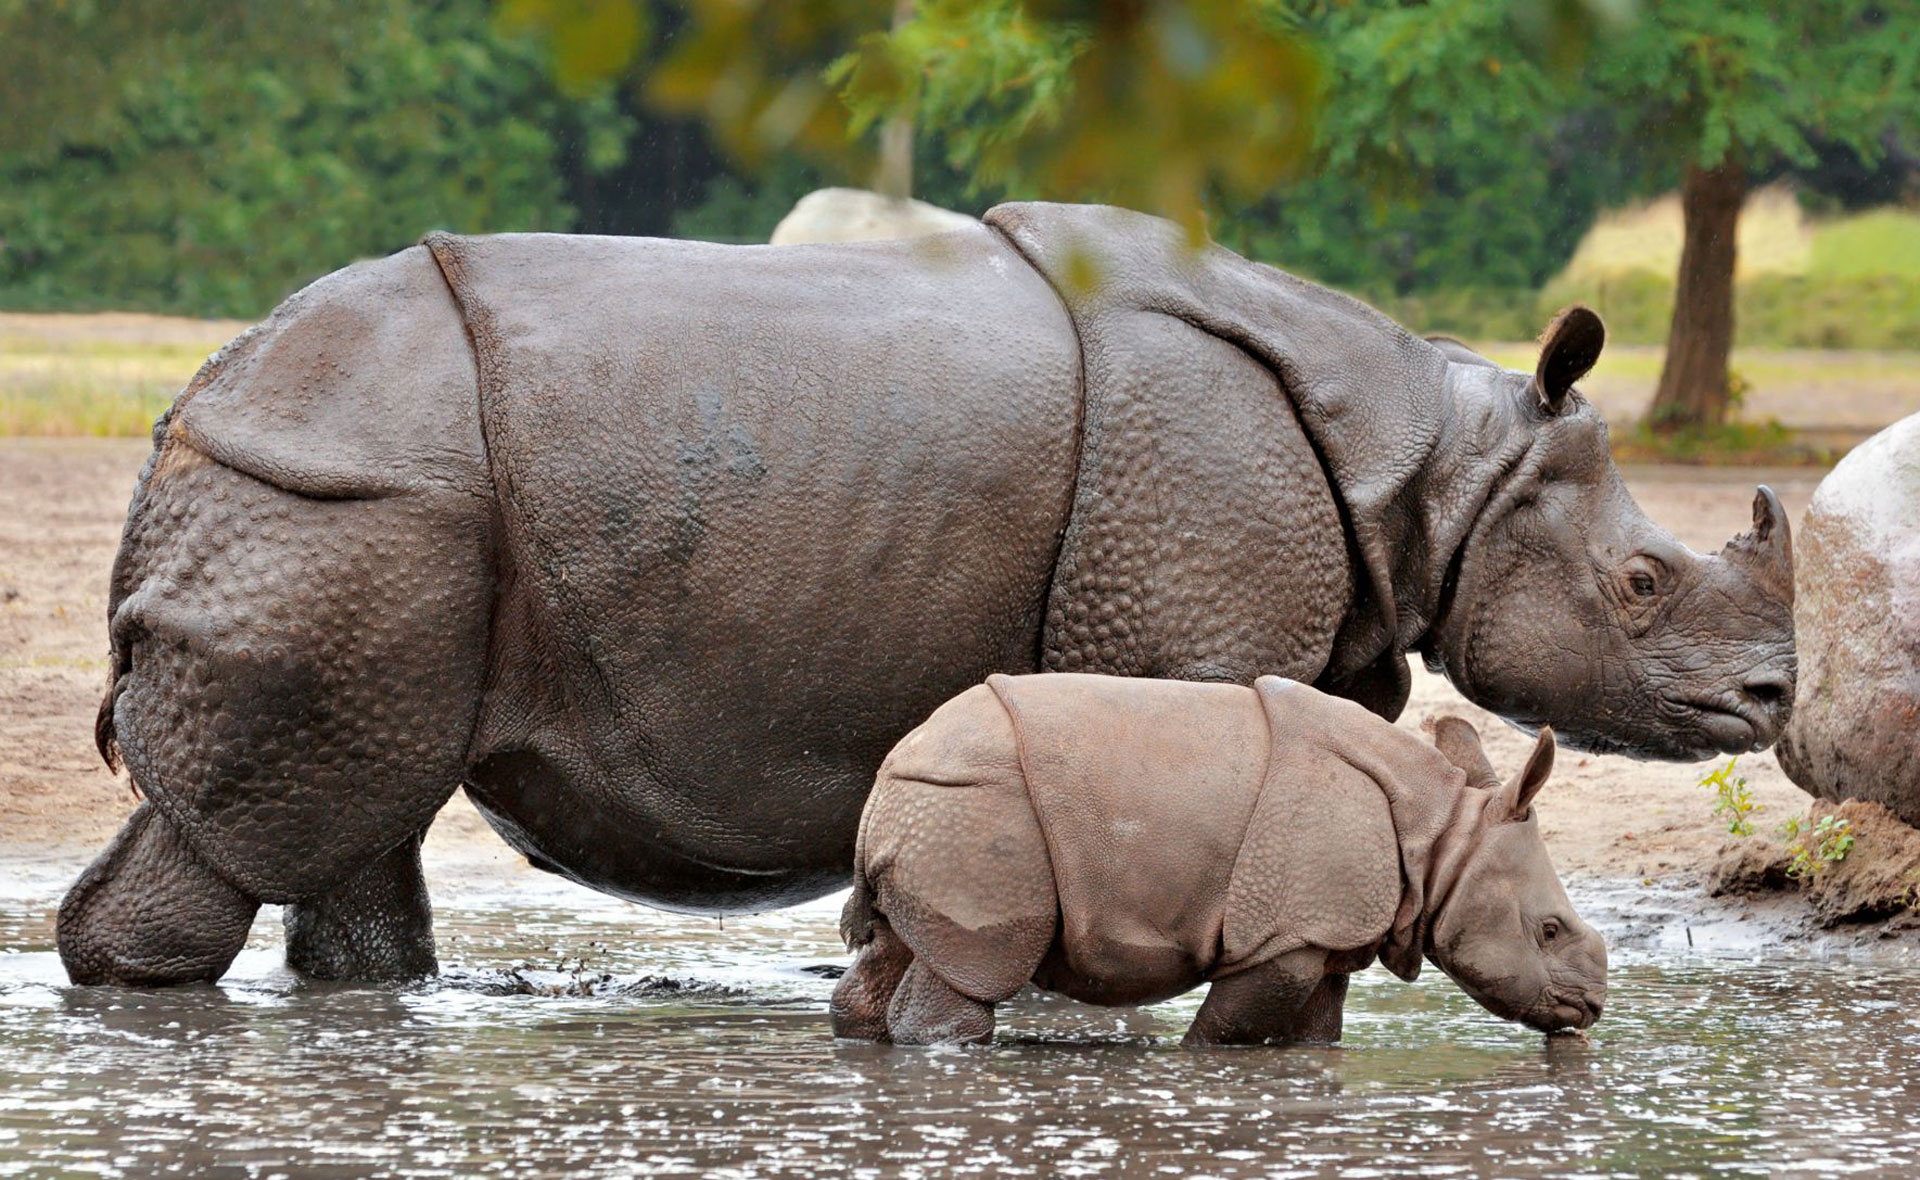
(125,576)
(856,918)
(118,665)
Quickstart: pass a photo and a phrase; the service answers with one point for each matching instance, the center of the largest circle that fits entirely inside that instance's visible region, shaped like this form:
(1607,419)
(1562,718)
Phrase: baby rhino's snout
(1578,993)
(1576,1010)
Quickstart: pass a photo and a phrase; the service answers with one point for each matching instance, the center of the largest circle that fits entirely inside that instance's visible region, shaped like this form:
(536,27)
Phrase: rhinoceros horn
(1766,551)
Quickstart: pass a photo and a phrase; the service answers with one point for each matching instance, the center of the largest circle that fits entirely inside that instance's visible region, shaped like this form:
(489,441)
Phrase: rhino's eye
(1550,930)
(1641,583)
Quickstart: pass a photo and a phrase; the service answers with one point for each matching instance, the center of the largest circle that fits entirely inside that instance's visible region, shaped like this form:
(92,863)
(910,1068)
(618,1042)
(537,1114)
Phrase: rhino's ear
(1532,777)
(1568,349)
(1459,743)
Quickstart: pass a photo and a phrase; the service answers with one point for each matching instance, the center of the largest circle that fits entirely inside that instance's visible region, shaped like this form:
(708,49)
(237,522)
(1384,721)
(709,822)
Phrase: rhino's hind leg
(149,911)
(296,679)
(377,925)
(1286,999)
(860,1002)
(927,1010)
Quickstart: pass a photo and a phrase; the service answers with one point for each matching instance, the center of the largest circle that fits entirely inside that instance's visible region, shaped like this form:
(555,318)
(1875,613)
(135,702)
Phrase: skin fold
(656,548)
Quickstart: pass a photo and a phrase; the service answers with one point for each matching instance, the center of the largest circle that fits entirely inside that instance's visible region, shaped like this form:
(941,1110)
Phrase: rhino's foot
(927,1010)
(859,1005)
(150,912)
(376,926)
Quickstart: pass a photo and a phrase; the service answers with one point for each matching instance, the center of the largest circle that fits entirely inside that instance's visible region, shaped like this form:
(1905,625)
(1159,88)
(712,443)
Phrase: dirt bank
(62,503)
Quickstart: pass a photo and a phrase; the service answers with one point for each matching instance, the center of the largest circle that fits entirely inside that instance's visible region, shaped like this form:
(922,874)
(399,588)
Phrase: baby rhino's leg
(1322,1017)
(1286,999)
(859,1005)
(927,1010)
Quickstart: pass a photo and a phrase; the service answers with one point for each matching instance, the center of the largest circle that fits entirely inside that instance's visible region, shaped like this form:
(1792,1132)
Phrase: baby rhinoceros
(1124,840)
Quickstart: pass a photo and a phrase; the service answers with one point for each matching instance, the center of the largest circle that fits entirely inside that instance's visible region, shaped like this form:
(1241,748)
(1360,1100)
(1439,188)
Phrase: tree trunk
(1693,389)
(895,177)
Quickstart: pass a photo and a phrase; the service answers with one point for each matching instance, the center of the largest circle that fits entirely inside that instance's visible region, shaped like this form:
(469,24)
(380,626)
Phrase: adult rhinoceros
(657,547)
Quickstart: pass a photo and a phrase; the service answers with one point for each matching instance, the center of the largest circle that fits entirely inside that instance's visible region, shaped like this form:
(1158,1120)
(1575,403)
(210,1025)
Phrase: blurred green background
(1468,167)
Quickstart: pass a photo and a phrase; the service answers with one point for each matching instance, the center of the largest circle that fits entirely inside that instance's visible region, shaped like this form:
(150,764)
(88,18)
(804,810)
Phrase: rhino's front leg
(1323,1017)
(150,911)
(1291,998)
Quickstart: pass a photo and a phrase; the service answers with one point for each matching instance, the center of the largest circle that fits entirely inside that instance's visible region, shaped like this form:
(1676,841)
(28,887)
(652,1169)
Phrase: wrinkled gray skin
(656,547)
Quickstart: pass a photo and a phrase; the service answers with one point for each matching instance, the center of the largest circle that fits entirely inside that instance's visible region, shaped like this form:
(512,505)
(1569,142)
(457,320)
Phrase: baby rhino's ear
(1459,743)
(1532,777)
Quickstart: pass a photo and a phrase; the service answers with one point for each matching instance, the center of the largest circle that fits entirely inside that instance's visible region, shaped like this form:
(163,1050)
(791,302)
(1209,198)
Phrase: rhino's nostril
(1772,691)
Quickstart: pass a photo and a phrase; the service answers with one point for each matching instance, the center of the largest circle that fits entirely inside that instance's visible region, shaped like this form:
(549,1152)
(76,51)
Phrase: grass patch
(1883,242)
(74,397)
(1737,444)
(1773,310)
(1849,283)
(96,376)
(1773,237)
(55,411)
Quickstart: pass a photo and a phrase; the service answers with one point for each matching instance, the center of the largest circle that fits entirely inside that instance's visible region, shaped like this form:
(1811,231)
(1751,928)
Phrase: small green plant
(1732,798)
(1814,847)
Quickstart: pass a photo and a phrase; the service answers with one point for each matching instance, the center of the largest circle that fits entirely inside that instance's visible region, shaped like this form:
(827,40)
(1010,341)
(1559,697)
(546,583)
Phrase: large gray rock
(858,215)
(1855,731)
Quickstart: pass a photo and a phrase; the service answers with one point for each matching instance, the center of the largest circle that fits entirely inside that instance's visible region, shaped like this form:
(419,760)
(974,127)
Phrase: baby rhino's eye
(1642,584)
(1550,930)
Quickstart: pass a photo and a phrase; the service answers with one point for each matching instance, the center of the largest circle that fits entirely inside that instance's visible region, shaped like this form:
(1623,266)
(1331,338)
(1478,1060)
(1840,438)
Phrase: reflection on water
(667,1045)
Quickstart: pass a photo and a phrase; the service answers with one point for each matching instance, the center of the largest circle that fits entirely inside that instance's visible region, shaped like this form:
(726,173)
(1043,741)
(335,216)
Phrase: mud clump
(1876,880)
(1750,866)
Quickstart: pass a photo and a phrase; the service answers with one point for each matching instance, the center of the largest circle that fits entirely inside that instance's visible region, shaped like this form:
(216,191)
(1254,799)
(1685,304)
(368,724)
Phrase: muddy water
(575,1035)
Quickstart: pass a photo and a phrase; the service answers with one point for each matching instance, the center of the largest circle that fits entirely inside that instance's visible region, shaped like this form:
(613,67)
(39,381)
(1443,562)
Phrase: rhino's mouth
(1730,728)
(1567,1008)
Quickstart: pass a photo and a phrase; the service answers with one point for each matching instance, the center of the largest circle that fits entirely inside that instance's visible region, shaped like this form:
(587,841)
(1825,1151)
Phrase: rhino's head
(1567,606)
(1505,931)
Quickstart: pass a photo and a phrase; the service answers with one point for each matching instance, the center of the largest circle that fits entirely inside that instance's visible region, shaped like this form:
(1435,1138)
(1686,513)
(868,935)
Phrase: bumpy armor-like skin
(1121,841)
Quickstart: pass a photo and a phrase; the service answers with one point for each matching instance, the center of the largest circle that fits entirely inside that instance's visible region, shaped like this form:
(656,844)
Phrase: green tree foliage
(1715,93)
(215,158)
(1151,103)
(1447,153)
(1157,104)
(1411,146)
